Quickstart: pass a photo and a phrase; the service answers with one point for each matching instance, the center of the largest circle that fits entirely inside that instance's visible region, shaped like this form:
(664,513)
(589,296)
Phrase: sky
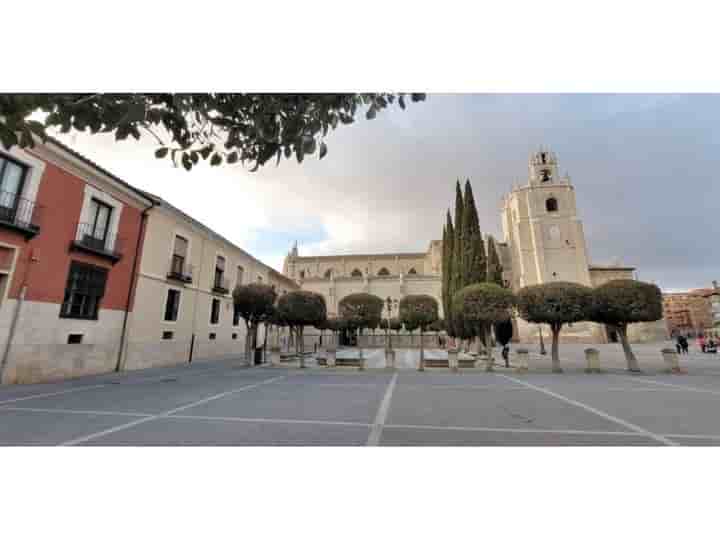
(644,169)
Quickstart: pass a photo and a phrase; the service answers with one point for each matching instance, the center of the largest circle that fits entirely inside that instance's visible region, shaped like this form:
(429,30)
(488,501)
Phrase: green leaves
(253,128)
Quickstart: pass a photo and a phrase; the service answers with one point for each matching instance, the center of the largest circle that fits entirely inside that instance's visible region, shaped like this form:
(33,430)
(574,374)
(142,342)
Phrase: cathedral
(543,241)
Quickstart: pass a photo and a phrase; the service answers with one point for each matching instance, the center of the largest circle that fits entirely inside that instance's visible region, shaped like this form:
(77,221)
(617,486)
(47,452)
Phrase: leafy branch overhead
(222,128)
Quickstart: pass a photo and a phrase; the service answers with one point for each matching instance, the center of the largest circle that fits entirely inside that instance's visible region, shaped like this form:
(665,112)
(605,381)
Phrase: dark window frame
(174,310)
(551,204)
(215,311)
(4,160)
(85,284)
(100,204)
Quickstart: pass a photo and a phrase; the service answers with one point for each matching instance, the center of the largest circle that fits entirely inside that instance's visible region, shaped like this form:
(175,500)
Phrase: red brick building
(70,238)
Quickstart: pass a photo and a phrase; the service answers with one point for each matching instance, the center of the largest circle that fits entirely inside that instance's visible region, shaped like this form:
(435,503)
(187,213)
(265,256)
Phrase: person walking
(701,342)
(684,344)
(678,343)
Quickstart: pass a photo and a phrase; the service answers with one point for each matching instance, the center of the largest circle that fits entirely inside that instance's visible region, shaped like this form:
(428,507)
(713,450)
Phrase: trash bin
(258,356)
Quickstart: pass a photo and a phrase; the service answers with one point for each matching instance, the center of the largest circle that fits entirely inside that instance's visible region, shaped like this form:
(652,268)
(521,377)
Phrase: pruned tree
(482,305)
(555,304)
(219,127)
(419,311)
(395,324)
(361,310)
(254,302)
(622,302)
(494,268)
(300,309)
(447,273)
(474,259)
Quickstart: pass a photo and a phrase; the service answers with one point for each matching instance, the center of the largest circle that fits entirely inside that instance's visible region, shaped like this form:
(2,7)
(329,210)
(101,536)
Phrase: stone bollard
(453,359)
(522,360)
(330,359)
(670,356)
(592,356)
(275,356)
(390,358)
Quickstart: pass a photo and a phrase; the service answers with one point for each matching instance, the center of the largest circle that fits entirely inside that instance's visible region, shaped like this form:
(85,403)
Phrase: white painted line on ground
(376,431)
(269,420)
(677,386)
(510,430)
(73,411)
(598,412)
(49,394)
(121,427)
(465,386)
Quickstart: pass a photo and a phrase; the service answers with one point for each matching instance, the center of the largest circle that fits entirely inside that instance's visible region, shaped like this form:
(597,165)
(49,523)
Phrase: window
(95,231)
(236,315)
(328,274)
(234,335)
(545,175)
(219,271)
(167,334)
(302,274)
(12,180)
(356,273)
(179,257)
(384,272)
(551,205)
(74,339)
(240,275)
(412,271)
(215,311)
(172,304)
(85,287)
(212,335)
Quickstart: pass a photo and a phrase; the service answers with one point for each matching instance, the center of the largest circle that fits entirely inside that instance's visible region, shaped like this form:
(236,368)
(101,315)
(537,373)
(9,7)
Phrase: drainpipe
(133,280)
(16,313)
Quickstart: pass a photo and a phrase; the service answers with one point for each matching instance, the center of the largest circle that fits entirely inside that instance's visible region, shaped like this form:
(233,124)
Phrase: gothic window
(384,272)
(542,157)
(328,274)
(412,271)
(356,273)
(551,205)
(545,175)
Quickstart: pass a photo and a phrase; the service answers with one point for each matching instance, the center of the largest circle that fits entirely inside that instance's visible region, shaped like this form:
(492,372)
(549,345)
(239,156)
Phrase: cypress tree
(458,270)
(494,268)
(474,260)
(447,270)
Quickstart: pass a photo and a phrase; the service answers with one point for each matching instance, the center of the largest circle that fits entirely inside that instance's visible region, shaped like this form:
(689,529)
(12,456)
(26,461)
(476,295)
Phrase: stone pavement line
(49,394)
(270,420)
(73,411)
(121,427)
(510,430)
(605,415)
(672,385)
(376,431)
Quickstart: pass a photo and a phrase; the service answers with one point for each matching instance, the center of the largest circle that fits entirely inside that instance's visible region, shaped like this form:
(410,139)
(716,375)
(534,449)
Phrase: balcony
(221,285)
(180,270)
(20,215)
(88,240)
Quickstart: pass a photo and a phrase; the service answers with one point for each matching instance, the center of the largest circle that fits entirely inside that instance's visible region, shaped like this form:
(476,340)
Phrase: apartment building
(688,312)
(70,236)
(185,283)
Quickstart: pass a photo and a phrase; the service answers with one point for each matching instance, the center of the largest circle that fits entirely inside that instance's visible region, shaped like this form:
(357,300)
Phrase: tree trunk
(301,344)
(555,348)
(267,330)
(362,360)
(632,363)
(488,350)
(421,365)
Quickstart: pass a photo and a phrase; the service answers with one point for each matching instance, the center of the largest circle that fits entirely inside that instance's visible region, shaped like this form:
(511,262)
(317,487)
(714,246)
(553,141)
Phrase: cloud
(643,167)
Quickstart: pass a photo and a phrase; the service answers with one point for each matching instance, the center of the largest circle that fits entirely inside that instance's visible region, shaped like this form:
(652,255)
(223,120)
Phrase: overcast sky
(644,169)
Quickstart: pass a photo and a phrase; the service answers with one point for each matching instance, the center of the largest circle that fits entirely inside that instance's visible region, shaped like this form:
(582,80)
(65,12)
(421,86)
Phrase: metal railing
(180,269)
(19,212)
(89,237)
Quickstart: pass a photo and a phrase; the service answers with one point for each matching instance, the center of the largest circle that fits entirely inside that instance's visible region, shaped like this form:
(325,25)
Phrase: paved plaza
(223,403)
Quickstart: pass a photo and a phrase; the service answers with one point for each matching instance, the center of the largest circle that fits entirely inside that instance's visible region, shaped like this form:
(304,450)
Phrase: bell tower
(542,229)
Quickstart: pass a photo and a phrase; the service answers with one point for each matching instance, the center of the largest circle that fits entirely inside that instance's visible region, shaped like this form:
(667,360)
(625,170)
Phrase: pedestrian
(701,342)
(678,343)
(684,344)
(506,355)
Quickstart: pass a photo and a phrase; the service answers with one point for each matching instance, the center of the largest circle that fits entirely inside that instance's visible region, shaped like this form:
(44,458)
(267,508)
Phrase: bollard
(522,360)
(390,358)
(592,356)
(453,359)
(330,360)
(672,363)
(275,356)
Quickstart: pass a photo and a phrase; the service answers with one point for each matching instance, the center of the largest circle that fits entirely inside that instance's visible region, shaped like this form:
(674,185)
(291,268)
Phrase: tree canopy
(418,311)
(361,310)
(302,308)
(222,128)
(254,302)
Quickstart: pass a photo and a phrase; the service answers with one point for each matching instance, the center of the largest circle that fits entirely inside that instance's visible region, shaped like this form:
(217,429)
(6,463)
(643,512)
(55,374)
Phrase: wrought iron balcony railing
(20,214)
(102,243)
(180,270)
